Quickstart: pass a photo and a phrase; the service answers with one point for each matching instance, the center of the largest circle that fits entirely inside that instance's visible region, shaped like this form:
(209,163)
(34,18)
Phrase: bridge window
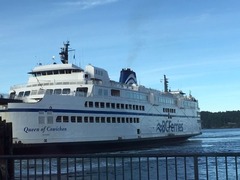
(57,91)
(20,94)
(66,91)
(68,71)
(49,72)
(27,93)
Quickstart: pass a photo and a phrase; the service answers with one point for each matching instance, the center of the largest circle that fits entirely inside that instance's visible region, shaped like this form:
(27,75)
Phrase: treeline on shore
(228,119)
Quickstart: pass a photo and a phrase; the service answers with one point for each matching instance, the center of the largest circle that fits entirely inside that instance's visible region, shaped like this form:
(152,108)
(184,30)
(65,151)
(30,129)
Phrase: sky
(196,43)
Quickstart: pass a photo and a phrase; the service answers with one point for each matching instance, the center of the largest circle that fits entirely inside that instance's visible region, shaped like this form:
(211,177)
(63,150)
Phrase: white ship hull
(149,124)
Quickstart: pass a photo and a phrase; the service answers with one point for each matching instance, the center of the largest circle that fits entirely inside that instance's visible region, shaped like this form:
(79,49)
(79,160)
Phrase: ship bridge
(53,69)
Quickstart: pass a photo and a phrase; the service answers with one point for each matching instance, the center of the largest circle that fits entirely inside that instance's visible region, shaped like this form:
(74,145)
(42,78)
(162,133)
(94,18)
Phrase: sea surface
(210,141)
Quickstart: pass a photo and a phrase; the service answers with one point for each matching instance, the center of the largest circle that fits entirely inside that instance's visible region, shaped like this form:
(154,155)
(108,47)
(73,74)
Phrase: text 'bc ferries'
(63,105)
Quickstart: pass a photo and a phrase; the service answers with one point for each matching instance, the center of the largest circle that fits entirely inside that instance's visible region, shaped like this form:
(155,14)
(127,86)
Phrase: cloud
(86,4)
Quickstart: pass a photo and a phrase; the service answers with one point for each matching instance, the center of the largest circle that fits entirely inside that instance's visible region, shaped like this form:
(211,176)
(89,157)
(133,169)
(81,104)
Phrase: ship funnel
(127,76)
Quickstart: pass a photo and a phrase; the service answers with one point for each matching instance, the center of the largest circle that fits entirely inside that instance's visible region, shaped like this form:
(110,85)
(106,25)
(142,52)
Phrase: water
(217,140)
(211,141)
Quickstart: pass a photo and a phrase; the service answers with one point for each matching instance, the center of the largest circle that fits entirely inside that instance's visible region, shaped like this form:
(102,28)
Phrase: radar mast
(165,84)
(64,53)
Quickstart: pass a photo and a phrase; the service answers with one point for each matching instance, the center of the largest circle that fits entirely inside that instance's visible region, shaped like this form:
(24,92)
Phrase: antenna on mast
(64,53)
(165,84)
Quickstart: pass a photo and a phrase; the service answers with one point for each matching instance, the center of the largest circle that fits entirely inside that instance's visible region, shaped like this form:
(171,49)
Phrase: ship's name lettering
(44,129)
(169,126)
(27,129)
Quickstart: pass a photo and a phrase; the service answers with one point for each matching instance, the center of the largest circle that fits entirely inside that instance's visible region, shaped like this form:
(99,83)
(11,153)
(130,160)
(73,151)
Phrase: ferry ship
(63,107)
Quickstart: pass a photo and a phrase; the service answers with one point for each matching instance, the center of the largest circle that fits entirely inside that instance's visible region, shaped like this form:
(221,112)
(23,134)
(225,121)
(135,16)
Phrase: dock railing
(122,166)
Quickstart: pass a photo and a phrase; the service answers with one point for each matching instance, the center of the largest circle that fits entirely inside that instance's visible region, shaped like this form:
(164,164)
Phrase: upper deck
(69,79)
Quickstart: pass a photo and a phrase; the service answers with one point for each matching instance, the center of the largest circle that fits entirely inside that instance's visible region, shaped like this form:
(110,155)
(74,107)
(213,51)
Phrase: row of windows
(63,71)
(166,100)
(189,104)
(137,96)
(118,93)
(42,91)
(99,72)
(91,119)
(102,92)
(169,110)
(114,105)
(79,92)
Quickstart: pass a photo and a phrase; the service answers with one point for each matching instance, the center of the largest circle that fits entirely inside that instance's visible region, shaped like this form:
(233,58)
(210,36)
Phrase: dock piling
(6,167)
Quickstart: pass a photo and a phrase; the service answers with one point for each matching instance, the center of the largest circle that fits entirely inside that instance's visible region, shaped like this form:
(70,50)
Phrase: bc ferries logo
(168,126)
(44,129)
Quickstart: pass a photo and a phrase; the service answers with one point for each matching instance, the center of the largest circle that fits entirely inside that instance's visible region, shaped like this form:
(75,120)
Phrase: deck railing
(122,166)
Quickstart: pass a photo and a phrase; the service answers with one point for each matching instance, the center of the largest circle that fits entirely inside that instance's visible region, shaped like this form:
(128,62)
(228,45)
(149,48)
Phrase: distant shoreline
(223,120)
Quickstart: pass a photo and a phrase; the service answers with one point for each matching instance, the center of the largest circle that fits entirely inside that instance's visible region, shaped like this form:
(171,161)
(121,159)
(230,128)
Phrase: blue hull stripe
(25,110)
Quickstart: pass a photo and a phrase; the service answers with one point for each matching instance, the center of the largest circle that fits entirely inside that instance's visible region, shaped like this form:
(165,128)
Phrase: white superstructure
(65,103)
